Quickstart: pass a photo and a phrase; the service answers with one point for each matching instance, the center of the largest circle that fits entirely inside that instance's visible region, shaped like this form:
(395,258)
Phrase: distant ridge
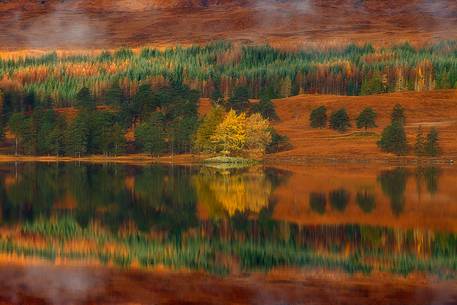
(114,23)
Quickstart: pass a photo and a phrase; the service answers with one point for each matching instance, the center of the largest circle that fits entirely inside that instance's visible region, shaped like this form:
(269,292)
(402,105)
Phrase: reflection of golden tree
(232,192)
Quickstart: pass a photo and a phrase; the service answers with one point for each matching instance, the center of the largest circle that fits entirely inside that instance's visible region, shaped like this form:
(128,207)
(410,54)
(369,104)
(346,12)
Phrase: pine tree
(77,135)
(398,115)
(393,139)
(367,118)
(419,147)
(239,100)
(17,125)
(339,120)
(85,100)
(117,139)
(432,148)
(266,108)
(114,96)
(150,135)
(318,117)
(143,102)
(56,137)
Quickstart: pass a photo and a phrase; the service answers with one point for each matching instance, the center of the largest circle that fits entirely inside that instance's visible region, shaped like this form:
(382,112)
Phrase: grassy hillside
(433,108)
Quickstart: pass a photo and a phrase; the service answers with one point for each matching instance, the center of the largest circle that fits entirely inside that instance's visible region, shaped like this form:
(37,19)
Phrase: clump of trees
(429,145)
(340,121)
(231,133)
(393,137)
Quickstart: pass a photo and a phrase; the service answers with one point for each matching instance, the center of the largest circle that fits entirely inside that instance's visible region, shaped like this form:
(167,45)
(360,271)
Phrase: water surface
(346,220)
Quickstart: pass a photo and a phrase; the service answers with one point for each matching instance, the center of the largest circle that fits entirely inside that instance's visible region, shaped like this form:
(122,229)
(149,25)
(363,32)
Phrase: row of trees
(394,140)
(219,68)
(45,132)
(340,121)
(164,120)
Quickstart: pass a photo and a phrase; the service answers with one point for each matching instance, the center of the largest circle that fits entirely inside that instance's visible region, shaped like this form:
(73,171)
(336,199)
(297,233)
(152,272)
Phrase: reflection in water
(205,219)
(366,201)
(339,199)
(233,192)
(317,202)
(431,176)
(393,184)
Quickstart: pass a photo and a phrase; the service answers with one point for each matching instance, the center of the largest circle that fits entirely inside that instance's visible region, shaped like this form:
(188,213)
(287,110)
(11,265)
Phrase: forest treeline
(153,121)
(216,69)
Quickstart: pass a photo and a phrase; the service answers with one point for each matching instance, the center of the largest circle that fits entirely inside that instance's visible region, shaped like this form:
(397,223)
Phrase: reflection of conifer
(317,202)
(366,201)
(339,199)
(393,184)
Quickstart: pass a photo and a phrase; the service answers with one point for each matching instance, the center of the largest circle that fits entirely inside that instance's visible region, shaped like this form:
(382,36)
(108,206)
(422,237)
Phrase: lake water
(208,224)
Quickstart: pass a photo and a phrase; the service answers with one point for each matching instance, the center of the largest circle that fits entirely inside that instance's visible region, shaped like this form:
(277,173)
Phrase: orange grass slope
(429,109)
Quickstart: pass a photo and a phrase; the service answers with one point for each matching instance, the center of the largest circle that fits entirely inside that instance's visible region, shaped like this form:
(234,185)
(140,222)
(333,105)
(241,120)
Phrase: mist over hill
(104,24)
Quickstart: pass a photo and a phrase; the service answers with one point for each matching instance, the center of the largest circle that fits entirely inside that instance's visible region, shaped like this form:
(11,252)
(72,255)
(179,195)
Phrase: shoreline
(188,159)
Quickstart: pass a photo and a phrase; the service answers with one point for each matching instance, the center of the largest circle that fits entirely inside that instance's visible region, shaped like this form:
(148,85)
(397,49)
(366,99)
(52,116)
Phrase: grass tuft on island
(230,160)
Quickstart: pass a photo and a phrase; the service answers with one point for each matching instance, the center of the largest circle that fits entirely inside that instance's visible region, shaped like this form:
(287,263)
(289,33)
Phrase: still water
(222,223)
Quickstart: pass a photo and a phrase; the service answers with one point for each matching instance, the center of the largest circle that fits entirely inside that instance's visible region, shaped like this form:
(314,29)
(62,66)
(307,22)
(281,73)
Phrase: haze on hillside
(105,24)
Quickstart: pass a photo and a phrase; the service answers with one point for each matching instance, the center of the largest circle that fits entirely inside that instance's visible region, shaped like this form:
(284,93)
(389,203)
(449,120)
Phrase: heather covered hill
(103,23)
(427,109)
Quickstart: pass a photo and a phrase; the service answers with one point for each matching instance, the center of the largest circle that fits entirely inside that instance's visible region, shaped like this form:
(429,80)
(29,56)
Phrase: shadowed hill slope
(103,23)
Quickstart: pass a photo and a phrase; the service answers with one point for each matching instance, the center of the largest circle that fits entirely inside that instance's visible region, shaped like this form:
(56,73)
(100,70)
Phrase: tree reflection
(431,177)
(339,199)
(317,202)
(230,192)
(366,201)
(393,185)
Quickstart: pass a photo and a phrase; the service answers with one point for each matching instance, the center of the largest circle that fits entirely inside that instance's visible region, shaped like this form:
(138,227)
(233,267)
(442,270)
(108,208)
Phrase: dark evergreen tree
(143,102)
(393,139)
(398,115)
(419,147)
(150,135)
(367,118)
(18,124)
(239,101)
(114,96)
(30,101)
(318,117)
(266,108)
(339,120)
(432,147)
(85,100)
(278,142)
(77,135)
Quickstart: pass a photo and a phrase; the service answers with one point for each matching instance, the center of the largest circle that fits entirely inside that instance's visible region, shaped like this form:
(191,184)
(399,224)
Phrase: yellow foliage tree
(258,134)
(230,136)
